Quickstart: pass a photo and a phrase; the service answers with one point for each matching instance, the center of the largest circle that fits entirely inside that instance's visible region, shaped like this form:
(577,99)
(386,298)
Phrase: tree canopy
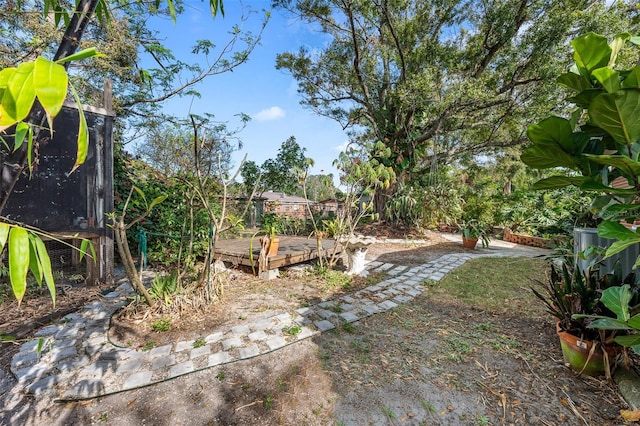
(436,79)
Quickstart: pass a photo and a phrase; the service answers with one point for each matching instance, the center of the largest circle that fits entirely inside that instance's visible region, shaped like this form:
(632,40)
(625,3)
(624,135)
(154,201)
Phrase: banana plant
(598,145)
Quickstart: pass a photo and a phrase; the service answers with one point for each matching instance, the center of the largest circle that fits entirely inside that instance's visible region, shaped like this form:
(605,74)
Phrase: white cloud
(342,147)
(272,113)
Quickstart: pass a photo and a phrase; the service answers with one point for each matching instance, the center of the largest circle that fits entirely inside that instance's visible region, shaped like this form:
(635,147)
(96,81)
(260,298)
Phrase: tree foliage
(276,174)
(438,78)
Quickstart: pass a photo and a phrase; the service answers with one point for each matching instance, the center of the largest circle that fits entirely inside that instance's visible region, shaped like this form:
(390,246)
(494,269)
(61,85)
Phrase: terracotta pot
(579,355)
(469,242)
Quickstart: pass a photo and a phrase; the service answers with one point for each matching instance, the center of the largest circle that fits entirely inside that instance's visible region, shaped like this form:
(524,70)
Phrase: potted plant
(472,232)
(572,296)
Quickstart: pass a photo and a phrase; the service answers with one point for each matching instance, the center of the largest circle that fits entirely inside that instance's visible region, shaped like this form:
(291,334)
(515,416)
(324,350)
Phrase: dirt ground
(429,362)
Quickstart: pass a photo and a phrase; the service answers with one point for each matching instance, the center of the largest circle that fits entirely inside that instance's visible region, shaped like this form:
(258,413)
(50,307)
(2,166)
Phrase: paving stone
(275,342)
(402,299)
(349,316)
(97,369)
(387,304)
(324,325)
(43,385)
(71,364)
(304,311)
(348,299)
(241,330)
(302,320)
(323,313)
(202,350)
(180,369)
(215,337)
(370,309)
(218,358)
(85,389)
(23,359)
(233,342)
(29,374)
(283,318)
(306,332)
(183,346)
(136,380)
(414,292)
(248,352)
(48,331)
(163,361)
(58,355)
(257,335)
(325,304)
(130,366)
(160,351)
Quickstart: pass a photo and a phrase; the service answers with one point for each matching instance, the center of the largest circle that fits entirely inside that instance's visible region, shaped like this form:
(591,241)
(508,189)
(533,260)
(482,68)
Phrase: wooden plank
(292,250)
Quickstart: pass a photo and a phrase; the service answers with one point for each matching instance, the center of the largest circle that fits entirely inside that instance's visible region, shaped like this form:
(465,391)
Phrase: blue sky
(256,88)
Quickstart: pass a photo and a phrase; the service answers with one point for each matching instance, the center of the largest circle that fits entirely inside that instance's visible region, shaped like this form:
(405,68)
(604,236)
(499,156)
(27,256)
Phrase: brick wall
(526,240)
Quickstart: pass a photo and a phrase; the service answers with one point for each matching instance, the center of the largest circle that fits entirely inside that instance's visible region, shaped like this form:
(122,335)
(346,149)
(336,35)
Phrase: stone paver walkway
(77,361)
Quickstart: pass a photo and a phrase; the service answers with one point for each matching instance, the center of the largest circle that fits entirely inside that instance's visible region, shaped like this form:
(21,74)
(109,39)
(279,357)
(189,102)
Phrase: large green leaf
(610,79)
(555,182)
(629,341)
(607,324)
(633,79)
(593,186)
(617,300)
(83,54)
(50,80)
(614,231)
(34,262)
(45,264)
(591,51)
(547,156)
(616,45)
(83,134)
(552,131)
(620,211)
(4,234)
(618,114)
(575,81)
(18,261)
(625,164)
(619,246)
(18,96)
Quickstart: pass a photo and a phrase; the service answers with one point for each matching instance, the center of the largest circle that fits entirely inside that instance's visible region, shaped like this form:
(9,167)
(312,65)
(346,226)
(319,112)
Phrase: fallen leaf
(630,415)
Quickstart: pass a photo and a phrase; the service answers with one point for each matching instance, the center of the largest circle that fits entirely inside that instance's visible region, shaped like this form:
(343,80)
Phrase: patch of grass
(334,280)
(292,330)
(483,421)
(102,417)
(267,401)
(389,413)
(282,384)
(348,327)
(429,406)
(163,324)
(498,284)
(374,278)
(220,376)
(457,348)
(150,345)
(335,308)
(199,342)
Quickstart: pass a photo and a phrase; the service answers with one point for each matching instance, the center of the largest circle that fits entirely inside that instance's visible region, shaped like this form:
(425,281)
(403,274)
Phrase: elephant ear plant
(598,146)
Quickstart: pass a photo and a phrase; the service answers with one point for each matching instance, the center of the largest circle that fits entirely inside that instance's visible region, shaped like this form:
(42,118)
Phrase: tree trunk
(127,261)
(15,163)
(383,195)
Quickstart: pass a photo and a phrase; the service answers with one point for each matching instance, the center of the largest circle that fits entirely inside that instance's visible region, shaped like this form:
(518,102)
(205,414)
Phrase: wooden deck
(292,250)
